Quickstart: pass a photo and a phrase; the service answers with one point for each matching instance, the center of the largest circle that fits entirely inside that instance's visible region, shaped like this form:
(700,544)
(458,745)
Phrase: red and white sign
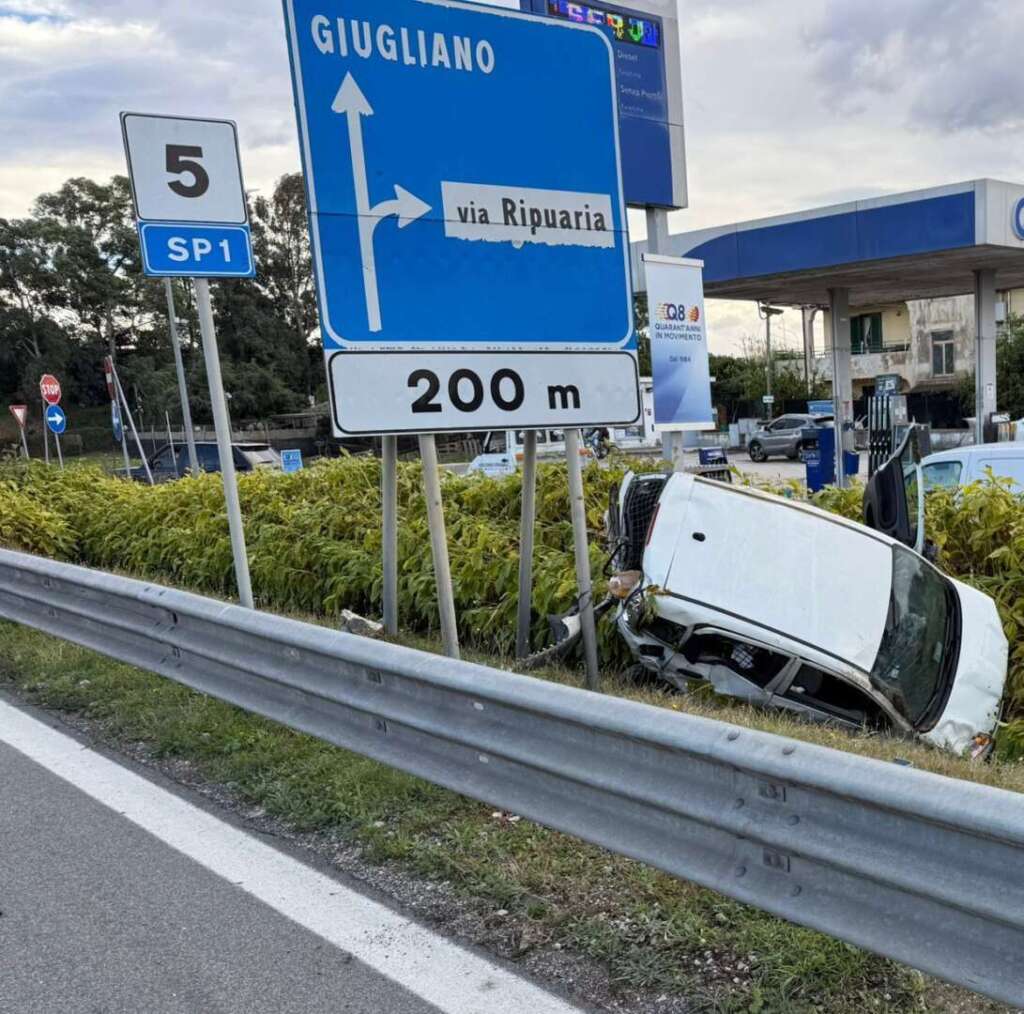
(20,412)
(108,372)
(49,388)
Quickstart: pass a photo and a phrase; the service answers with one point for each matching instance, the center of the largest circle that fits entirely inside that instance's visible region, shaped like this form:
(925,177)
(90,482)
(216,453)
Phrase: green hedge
(315,544)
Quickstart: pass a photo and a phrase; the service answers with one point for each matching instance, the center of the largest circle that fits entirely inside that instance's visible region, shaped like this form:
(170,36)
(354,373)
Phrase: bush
(315,542)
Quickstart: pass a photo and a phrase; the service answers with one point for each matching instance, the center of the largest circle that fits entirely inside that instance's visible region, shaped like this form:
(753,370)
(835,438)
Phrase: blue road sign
(461,200)
(650,103)
(115,422)
(291,461)
(56,419)
(196,251)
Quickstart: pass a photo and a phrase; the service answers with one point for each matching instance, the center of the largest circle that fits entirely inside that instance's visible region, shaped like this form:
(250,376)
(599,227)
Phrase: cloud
(68,68)
(954,65)
(790,104)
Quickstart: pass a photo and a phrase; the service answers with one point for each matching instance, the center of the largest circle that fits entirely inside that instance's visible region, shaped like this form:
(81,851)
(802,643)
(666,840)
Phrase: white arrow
(407,208)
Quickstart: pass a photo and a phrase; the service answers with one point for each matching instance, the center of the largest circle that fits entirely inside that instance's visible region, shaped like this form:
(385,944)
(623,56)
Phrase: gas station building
(862,263)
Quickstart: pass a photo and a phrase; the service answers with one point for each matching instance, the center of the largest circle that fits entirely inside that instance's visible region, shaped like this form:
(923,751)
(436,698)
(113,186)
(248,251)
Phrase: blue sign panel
(115,422)
(291,461)
(639,43)
(56,419)
(196,251)
(458,198)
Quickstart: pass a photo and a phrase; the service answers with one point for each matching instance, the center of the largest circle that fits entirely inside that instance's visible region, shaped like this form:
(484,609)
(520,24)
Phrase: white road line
(433,968)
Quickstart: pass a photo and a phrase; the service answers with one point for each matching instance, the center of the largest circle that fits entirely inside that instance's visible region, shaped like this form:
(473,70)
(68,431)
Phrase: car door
(780,435)
(894,496)
(825,697)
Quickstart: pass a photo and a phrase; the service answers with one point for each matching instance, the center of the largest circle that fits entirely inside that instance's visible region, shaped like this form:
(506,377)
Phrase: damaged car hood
(976,697)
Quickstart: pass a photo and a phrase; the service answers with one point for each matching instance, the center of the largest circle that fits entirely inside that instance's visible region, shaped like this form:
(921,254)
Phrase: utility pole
(766,312)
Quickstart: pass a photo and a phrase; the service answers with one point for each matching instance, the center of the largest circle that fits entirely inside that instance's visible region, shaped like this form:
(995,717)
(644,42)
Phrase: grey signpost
(193,222)
(179,366)
(528,512)
(125,408)
(389,503)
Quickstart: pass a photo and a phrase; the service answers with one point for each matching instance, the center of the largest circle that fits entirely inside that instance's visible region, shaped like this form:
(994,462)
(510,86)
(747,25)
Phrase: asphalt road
(119,895)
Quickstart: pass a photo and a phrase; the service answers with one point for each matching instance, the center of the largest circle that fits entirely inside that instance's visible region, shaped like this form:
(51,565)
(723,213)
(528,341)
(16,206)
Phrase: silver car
(783,436)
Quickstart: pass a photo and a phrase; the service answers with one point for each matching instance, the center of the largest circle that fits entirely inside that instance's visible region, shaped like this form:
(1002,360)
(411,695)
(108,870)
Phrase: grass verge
(655,934)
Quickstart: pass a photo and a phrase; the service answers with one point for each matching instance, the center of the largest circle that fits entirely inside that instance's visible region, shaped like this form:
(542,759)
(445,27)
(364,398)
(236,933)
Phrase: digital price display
(626,28)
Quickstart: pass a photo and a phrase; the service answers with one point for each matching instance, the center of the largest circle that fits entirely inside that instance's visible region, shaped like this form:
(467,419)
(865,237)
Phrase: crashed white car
(784,605)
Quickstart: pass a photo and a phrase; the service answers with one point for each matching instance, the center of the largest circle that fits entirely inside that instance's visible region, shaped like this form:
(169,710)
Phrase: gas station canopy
(917,245)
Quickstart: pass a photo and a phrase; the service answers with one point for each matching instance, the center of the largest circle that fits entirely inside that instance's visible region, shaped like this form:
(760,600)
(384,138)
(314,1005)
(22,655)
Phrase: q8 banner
(679,344)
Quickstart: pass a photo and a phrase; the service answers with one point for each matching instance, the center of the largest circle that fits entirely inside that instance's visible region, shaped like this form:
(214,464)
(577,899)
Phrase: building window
(943,354)
(866,333)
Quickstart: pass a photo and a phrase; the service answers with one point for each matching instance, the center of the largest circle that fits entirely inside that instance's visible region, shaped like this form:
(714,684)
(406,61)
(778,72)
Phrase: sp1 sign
(189,196)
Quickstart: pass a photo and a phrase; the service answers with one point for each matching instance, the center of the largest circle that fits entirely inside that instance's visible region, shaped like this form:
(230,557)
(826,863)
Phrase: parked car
(965,465)
(778,603)
(502,451)
(170,463)
(783,436)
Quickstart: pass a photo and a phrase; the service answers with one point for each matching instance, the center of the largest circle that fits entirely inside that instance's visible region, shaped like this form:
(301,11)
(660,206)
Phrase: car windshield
(262,456)
(918,650)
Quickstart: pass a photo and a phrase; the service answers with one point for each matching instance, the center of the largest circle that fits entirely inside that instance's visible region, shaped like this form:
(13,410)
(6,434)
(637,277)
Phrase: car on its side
(170,463)
(784,436)
(964,465)
(781,604)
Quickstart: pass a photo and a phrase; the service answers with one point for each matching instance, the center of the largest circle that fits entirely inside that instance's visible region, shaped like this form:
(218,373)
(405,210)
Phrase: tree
(96,256)
(1009,372)
(281,241)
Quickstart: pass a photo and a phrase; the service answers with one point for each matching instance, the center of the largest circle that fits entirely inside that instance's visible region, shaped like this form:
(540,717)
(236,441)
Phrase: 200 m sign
(460,391)
(466,390)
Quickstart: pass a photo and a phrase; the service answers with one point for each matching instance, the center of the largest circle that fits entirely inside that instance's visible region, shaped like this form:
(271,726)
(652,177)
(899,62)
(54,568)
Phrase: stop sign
(49,388)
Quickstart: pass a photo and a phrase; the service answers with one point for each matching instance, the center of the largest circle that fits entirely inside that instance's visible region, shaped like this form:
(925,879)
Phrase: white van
(964,465)
(502,451)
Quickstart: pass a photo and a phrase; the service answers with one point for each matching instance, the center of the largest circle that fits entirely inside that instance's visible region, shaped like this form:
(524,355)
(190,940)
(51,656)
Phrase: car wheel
(757,452)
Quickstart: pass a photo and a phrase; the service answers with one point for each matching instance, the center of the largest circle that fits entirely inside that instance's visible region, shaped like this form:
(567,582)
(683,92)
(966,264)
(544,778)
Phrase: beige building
(928,344)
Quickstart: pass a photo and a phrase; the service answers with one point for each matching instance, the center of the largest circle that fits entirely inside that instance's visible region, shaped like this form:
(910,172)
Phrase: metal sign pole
(439,546)
(24,443)
(46,436)
(124,450)
(131,422)
(579,531)
(657,243)
(526,532)
(389,498)
(60,453)
(222,424)
(170,441)
(179,366)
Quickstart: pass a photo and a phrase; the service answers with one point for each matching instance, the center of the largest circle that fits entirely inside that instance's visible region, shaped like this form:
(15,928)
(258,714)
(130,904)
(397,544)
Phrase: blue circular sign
(56,419)
(1018,219)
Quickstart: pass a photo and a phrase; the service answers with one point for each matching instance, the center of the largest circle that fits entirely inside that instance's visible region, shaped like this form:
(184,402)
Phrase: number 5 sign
(189,196)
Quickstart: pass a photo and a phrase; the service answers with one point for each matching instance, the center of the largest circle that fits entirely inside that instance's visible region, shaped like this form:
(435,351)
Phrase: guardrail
(919,868)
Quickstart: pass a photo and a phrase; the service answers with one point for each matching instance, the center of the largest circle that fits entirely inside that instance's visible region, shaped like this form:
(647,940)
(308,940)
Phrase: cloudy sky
(789,103)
